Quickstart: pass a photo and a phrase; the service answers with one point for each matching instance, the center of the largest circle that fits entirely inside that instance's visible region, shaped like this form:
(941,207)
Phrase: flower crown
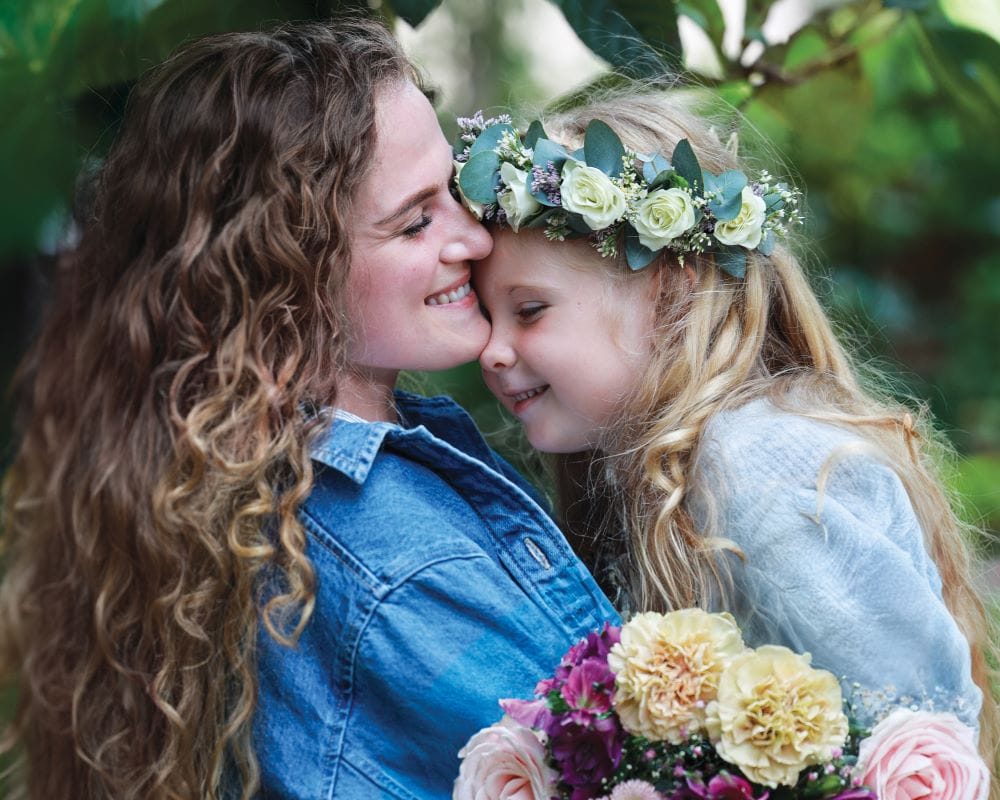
(604,190)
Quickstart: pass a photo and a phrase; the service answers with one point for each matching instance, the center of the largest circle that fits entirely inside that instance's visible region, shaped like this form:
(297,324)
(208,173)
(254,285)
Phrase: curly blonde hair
(164,415)
(721,342)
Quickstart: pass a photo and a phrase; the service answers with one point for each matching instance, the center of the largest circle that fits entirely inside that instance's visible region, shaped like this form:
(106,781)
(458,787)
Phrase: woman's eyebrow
(417,198)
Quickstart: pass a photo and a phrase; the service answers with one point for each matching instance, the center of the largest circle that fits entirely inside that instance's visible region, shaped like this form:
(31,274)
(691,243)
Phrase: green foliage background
(888,110)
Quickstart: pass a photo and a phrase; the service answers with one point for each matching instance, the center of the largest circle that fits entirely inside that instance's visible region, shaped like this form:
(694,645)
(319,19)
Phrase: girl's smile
(568,339)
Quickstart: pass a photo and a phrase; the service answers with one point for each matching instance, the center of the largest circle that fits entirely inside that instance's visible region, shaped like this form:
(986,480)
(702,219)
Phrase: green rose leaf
(577,224)
(535,132)
(727,189)
(766,246)
(480,177)
(490,138)
(686,164)
(636,253)
(731,260)
(603,148)
(662,179)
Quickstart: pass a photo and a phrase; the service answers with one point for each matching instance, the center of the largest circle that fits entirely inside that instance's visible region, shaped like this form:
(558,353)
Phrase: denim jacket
(442,586)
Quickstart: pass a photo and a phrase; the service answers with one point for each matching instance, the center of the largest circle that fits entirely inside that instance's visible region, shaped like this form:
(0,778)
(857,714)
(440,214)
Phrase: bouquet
(675,707)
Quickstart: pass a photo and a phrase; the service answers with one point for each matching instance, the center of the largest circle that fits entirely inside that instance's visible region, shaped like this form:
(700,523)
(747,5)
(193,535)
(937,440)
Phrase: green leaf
(654,169)
(731,260)
(634,35)
(603,148)
(912,5)
(414,11)
(480,177)
(636,253)
(773,200)
(766,246)
(728,189)
(535,132)
(489,139)
(708,16)
(545,151)
(686,164)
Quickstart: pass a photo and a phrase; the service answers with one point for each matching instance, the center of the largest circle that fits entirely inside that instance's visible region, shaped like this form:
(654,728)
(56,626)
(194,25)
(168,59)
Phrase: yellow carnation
(775,715)
(667,670)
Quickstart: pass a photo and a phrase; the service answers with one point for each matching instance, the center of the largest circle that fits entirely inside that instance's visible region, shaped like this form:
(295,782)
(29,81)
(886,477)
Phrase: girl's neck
(368,396)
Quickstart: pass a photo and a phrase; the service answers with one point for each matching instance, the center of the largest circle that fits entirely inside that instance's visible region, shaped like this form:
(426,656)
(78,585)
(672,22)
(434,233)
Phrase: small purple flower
(546,180)
(857,793)
(723,786)
(533,714)
(586,755)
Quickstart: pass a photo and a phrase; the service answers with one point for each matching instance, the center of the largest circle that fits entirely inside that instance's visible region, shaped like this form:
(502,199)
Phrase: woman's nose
(469,240)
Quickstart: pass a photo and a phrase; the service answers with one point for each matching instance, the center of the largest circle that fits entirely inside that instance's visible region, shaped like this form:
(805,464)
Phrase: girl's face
(409,293)
(569,342)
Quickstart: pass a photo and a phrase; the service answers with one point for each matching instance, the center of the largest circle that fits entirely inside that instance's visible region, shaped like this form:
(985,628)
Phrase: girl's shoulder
(758,451)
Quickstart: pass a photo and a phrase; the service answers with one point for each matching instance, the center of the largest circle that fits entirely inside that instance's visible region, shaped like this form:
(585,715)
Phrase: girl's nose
(498,354)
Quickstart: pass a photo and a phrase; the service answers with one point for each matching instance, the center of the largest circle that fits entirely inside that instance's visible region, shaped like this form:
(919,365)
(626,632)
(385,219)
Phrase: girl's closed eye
(529,312)
(417,228)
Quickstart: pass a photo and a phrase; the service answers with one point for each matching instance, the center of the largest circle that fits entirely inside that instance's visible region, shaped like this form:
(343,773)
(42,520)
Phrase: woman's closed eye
(417,227)
(529,312)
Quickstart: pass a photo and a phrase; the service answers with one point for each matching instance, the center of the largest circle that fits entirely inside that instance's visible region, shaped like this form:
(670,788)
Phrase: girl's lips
(525,399)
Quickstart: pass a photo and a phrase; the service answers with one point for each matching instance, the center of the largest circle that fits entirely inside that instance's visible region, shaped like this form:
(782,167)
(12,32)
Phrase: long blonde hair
(164,414)
(720,342)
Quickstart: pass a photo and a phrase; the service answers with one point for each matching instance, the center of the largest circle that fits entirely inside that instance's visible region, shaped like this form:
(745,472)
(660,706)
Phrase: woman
(237,560)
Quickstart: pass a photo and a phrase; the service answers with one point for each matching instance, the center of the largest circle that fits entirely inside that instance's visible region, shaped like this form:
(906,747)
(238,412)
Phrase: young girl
(237,560)
(715,444)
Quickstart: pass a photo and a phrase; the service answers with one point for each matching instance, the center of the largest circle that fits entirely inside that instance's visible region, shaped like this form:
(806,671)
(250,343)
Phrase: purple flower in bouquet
(588,690)
(858,793)
(595,646)
(724,786)
(586,754)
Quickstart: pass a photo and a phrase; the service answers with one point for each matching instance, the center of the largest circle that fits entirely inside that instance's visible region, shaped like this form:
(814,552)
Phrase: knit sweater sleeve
(839,570)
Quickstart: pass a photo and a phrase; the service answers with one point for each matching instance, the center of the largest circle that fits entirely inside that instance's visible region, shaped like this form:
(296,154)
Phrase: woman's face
(569,342)
(410,299)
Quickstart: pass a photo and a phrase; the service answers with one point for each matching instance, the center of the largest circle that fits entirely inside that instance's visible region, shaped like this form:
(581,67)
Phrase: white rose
(518,202)
(746,229)
(663,216)
(590,193)
(475,208)
(505,760)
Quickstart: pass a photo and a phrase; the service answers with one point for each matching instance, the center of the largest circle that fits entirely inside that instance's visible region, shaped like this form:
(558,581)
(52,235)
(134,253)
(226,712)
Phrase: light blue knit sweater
(843,576)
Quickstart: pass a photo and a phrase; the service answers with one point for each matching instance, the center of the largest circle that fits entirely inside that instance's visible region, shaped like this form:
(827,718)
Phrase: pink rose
(916,754)
(505,762)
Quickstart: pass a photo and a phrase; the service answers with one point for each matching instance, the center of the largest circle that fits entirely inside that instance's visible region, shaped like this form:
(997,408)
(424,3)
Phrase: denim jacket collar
(350,445)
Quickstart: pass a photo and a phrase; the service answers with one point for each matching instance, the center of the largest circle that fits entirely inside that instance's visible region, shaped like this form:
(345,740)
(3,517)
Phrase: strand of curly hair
(164,415)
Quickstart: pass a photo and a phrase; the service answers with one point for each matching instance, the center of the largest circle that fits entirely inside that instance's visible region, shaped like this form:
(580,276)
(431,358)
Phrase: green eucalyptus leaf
(766,246)
(662,179)
(728,189)
(577,224)
(731,260)
(489,138)
(687,166)
(603,148)
(480,177)
(655,167)
(636,253)
(535,132)
(541,220)
(773,202)
(546,150)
